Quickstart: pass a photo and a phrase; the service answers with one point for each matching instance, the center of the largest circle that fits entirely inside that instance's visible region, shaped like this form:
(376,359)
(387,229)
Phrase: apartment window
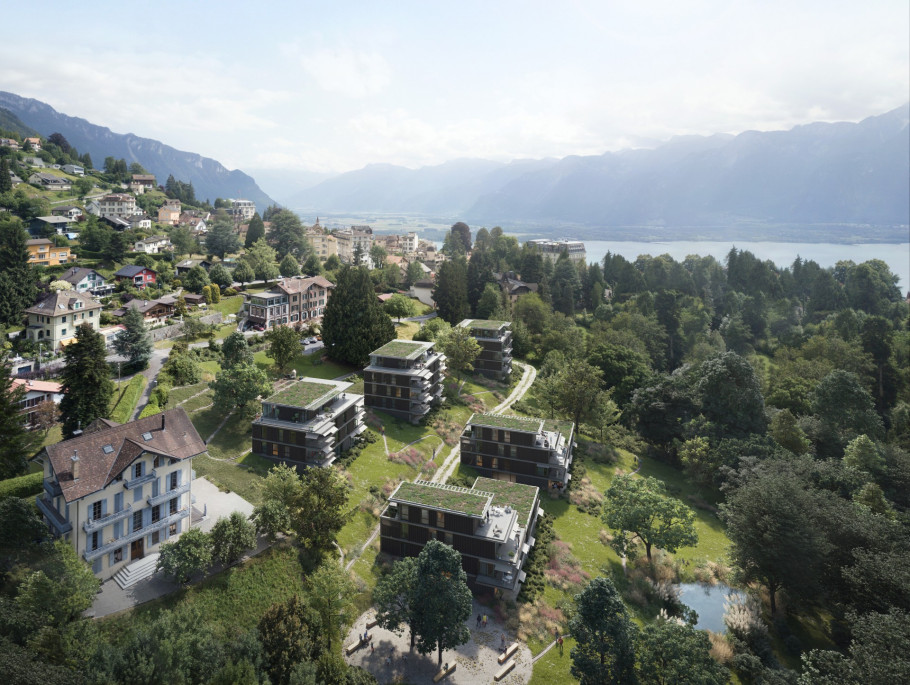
(62,319)
(96,510)
(172,530)
(173,505)
(449,539)
(274,450)
(118,555)
(137,520)
(156,462)
(137,470)
(506,436)
(63,332)
(96,539)
(173,478)
(156,537)
(156,514)
(513,451)
(440,519)
(405,513)
(425,516)
(495,464)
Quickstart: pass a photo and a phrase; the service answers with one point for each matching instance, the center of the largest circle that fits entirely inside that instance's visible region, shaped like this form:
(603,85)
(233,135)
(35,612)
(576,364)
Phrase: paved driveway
(215,504)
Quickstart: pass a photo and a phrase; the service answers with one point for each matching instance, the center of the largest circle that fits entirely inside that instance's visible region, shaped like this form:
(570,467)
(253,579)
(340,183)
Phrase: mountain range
(210,178)
(817,177)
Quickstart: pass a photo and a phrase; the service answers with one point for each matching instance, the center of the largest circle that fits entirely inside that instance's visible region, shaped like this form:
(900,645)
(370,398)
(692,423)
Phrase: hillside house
(44,225)
(73,169)
(139,183)
(71,212)
(168,214)
(290,301)
(54,318)
(116,492)
(404,378)
(495,340)
(138,276)
(50,182)
(36,392)
(153,311)
(155,244)
(43,252)
(86,280)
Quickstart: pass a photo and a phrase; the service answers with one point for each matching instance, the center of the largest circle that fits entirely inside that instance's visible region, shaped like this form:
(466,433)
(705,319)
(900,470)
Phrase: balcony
(59,524)
(92,525)
(505,581)
(170,494)
(52,488)
(91,554)
(140,481)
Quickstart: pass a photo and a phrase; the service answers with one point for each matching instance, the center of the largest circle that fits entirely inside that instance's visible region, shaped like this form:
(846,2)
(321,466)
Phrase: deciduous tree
(243,273)
(219,275)
(286,235)
(289,634)
(670,652)
(235,350)
(393,596)
(330,592)
(461,349)
(639,508)
(221,239)
(239,387)
(322,510)
(605,636)
(289,266)
(231,537)
(195,279)
(190,553)
(400,305)
(284,346)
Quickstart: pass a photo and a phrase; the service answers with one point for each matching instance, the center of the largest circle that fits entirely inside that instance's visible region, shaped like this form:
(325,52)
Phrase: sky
(334,86)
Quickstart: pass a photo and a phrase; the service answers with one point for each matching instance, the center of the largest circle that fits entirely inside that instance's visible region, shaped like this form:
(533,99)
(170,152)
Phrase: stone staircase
(131,574)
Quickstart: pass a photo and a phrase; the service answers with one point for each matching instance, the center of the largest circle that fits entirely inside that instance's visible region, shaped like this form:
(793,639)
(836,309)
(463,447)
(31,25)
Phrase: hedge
(128,400)
(149,409)
(23,486)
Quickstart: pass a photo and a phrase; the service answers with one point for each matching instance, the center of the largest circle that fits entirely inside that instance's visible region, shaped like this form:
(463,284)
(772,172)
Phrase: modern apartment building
(290,301)
(309,423)
(551,249)
(495,340)
(490,524)
(520,450)
(119,490)
(54,318)
(404,378)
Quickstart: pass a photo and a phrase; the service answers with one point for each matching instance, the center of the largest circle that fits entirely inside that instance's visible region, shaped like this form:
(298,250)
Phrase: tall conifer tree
(87,387)
(354,323)
(18,288)
(451,291)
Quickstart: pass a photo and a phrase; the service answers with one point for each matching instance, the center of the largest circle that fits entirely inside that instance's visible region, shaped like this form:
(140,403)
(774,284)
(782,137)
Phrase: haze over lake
(895,255)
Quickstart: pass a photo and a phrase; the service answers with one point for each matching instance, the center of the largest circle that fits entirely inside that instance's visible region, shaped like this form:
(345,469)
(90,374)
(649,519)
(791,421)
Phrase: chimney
(75,463)
(162,420)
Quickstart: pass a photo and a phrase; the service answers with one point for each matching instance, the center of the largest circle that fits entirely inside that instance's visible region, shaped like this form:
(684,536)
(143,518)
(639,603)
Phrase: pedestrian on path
(484,620)
(478,620)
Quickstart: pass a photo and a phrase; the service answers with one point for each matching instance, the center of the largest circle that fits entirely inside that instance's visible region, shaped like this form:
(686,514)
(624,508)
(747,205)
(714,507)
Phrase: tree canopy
(354,324)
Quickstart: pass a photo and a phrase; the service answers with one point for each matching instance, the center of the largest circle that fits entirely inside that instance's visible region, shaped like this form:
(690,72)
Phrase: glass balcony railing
(92,525)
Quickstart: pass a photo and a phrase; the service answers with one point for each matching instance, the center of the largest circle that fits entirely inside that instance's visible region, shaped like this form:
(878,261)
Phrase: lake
(895,255)
(709,602)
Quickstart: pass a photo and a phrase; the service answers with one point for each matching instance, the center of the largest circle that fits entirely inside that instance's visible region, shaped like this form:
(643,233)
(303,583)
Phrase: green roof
(402,349)
(512,423)
(519,497)
(486,324)
(559,425)
(306,392)
(439,496)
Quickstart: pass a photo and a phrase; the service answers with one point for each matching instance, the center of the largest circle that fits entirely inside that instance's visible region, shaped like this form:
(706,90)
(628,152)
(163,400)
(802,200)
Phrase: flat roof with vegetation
(559,426)
(402,349)
(440,496)
(511,423)
(520,497)
(485,324)
(309,393)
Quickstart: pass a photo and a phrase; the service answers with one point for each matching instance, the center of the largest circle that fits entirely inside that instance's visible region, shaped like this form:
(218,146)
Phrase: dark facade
(530,451)
(309,423)
(490,525)
(495,340)
(404,379)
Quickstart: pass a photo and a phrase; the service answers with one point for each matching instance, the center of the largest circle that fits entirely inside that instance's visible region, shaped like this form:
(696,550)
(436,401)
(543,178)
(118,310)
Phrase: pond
(709,602)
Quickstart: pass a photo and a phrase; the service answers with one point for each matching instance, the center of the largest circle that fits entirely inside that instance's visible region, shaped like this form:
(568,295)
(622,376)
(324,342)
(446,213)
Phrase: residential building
(36,162)
(513,287)
(551,249)
(36,392)
(154,311)
(139,276)
(324,244)
(404,378)
(520,450)
(73,169)
(119,205)
(490,524)
(50,182)
(111,333)
(34,142)
(44,225)
(43,252)
(187,264)
(309,423)
(140,221)
(495,340)
(155,244)
(242,209)
(139,183)
(118,491)
(353,240)
(290,301)
(169,214)
(54,318)
(71,212)
(86,280)
(116,223)
(10,143)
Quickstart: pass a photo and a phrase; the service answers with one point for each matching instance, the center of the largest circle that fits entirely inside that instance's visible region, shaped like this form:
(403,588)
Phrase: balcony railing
(91,554)
(140,481)
(92,525)
(60,524)
(52,488)
(170,494)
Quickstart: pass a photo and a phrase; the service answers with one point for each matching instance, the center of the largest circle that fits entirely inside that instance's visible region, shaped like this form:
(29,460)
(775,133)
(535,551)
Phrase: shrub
(22,486)
(128,400)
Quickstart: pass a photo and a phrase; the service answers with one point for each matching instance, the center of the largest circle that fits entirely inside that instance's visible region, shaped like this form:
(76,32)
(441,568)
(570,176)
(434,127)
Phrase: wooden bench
(350,649)
(372,624)
(505,656)
(504,671)
(443,673)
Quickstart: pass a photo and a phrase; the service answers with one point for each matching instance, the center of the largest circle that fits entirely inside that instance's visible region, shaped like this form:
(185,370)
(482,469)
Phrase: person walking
(478,620)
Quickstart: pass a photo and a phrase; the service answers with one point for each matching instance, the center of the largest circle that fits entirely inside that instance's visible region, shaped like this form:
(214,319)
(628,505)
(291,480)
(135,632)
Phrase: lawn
(406,329)
(123,404)
(232,601)
(234,438)
(227,305)
(553,667)
(306,365)
(184,392)
(241,477)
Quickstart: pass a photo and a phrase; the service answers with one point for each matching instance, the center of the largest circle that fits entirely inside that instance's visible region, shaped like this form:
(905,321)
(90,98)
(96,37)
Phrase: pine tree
(87,387)
(6,183)
(18,287)
(354,323)
(17,443)
(134,342)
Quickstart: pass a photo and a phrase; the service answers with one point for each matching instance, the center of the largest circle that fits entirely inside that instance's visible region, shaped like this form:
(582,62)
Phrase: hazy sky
(332,86)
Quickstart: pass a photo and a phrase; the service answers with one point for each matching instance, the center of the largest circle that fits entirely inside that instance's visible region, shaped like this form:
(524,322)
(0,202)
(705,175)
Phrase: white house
(36,392)
(153,245)
(74,169)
